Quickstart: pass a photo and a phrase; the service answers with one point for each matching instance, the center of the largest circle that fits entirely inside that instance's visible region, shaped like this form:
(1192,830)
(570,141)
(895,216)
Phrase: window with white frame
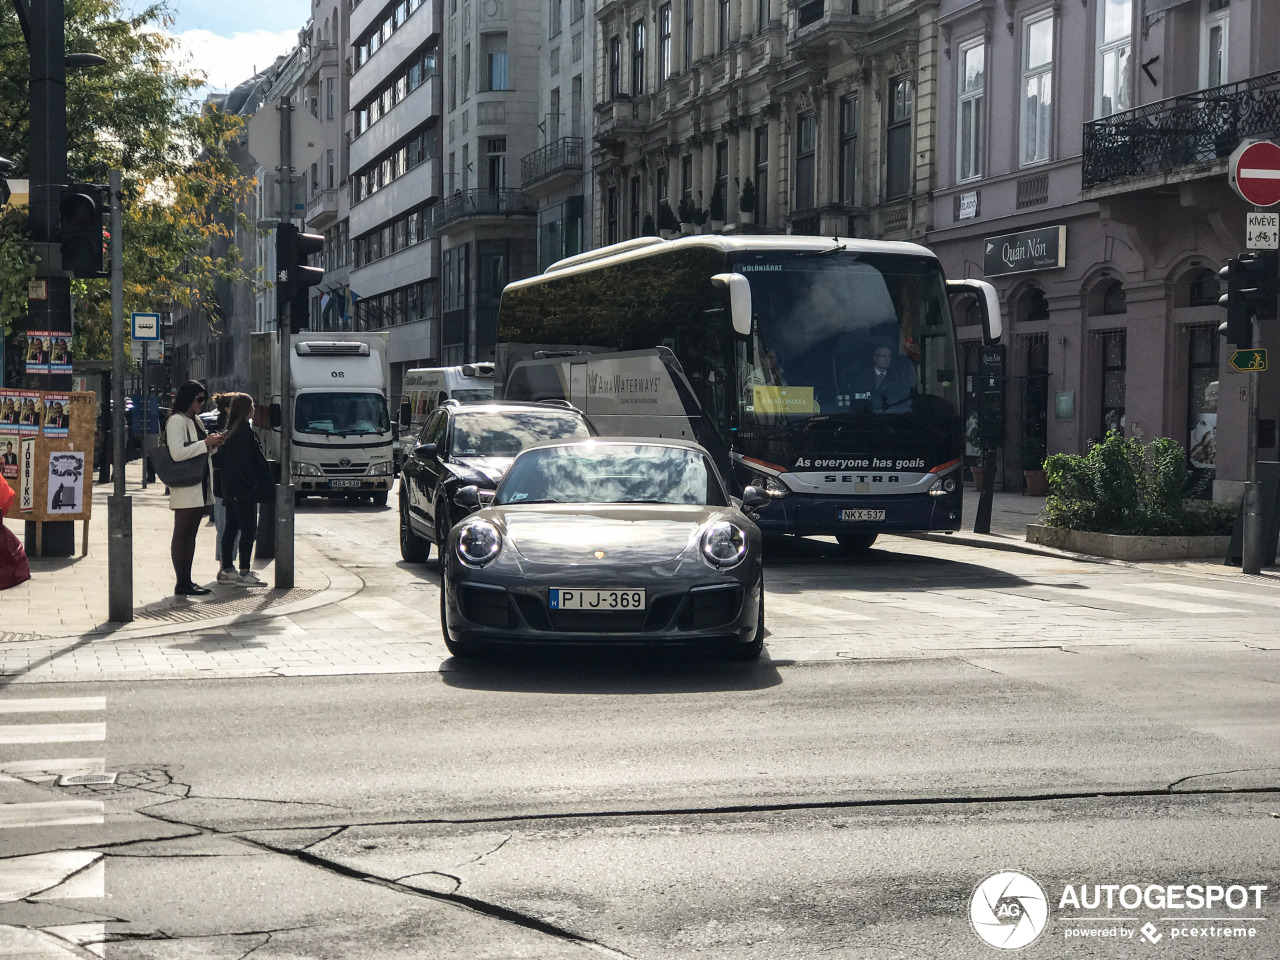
(1214,20)
(637,57)
(971,109)
(664,42)
(1037,87)
(1115,57)
(806,155)
(848,149)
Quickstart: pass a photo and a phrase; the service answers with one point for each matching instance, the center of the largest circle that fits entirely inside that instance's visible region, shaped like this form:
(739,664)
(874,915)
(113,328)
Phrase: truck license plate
(591,599)
(344,483)
(862,516)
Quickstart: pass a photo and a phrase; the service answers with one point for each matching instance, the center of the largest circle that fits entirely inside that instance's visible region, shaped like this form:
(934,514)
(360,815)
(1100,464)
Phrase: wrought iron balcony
(562,156)
(1200,127)
(481,202)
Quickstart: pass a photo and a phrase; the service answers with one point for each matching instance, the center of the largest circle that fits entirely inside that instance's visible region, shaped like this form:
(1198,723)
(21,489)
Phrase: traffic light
(1238,327)
(1258,283)
(81,210)
(294,277)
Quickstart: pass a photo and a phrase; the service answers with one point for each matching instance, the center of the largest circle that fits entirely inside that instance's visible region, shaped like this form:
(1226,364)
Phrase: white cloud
(228,61)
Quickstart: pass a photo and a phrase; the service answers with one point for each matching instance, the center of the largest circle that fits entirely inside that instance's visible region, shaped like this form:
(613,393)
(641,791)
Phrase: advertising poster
(27,477)
(59,355)
(10,448)
(57,414)
(39,351)
(10,405)
(66,482)
(30,413)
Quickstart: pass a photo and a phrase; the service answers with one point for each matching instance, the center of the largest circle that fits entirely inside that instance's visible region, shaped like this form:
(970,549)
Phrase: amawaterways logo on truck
(624,389)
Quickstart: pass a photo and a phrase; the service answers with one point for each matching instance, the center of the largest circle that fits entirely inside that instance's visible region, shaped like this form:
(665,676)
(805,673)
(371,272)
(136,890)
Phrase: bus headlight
(940,487)
(724,544)
(772,486)
(306,470)
(478,542)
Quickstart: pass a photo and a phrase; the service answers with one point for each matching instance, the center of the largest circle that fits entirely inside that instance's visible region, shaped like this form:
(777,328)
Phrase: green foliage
(666,218)
(648,229)
(1032,452)
(717,204)
(1123,486)
(181,189)
(688,211)
(747,199)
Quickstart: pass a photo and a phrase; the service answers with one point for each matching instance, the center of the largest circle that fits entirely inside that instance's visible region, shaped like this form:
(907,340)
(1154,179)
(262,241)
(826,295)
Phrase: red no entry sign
(1254,170)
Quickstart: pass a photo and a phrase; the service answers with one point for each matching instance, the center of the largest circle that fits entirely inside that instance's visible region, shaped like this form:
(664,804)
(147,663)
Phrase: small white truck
(425,388)
(340,426)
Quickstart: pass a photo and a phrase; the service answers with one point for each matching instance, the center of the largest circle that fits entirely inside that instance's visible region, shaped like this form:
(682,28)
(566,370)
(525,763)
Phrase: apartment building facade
(1091,189)
(486,225)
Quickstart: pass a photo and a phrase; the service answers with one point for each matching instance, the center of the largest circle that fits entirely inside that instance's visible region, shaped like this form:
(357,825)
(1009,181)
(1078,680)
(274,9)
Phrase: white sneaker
(249,579)
(226,576)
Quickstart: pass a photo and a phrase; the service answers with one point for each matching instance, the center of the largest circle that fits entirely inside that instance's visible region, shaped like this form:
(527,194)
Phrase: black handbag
(177,473)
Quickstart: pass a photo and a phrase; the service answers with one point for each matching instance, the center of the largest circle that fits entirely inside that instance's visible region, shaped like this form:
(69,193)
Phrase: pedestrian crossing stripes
(58,874)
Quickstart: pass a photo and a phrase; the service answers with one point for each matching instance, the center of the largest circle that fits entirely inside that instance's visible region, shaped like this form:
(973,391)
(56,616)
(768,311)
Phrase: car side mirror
(274,416)
(426,451)
(468,496)
(406,414)
(753,498)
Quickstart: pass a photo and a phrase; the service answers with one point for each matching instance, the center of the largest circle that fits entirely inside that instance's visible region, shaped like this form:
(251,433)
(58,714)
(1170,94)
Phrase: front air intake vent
(329,348)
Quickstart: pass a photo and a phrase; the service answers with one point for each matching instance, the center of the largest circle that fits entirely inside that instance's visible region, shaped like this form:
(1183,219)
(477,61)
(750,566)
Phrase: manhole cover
(88,780)
(7,636)
(181,611)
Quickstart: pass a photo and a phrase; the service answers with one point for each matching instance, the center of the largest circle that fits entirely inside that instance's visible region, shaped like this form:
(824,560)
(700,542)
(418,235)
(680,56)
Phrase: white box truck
(340,424)
(425,388)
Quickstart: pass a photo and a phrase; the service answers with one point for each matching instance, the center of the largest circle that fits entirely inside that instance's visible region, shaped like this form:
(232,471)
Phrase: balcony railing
(322,206)
(562,155)
(481,202)
(1193,128)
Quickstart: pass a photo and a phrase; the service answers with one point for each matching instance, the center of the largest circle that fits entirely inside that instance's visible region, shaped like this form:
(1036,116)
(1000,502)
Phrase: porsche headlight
(478,542)
(724,544)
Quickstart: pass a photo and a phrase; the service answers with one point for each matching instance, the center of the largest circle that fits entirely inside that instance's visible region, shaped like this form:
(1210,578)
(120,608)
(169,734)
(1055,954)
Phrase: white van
(427,387)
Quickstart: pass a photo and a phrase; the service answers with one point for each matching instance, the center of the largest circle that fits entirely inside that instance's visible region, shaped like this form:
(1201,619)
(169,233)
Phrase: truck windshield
(340,414)
(473,396)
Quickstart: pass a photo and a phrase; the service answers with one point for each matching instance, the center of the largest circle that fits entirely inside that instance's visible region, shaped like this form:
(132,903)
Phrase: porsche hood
(573,533)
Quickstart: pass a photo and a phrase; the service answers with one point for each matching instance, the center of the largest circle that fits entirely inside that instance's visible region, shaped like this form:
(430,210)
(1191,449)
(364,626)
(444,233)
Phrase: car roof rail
(557,402)
(451,402)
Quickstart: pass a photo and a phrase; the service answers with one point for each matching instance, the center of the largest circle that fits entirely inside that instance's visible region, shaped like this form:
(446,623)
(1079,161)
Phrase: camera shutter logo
(1009,910)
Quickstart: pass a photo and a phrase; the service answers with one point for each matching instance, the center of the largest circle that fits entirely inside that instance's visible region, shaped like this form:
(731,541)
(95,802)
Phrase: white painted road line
(38,771)
(51,813)
(46,875)
(53,704)
(1228,595)
(52,732)
(1082,598)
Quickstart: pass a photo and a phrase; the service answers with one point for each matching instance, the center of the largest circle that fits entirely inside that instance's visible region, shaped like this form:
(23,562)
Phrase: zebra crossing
(59,874)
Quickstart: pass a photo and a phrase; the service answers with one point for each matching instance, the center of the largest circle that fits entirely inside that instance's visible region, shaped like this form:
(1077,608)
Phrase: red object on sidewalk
(14,568)
(6,497)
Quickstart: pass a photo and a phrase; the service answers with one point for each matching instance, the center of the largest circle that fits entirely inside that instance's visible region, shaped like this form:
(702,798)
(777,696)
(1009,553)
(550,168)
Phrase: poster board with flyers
(52,464)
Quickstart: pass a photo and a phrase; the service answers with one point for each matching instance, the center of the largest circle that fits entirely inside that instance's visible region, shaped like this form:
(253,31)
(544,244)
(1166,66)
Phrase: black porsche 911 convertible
(606,541)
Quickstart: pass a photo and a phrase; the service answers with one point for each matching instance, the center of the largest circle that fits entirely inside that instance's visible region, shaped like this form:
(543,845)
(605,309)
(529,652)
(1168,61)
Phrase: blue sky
(229,39)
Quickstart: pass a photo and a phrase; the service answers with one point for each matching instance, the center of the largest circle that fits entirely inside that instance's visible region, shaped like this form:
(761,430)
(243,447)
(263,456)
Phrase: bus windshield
(849,335)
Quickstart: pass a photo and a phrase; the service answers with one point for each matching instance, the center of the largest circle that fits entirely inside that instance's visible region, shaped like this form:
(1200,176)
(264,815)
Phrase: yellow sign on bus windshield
(784,400)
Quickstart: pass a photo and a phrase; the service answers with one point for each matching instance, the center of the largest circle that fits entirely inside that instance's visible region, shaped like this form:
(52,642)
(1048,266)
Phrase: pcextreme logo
(1009,910)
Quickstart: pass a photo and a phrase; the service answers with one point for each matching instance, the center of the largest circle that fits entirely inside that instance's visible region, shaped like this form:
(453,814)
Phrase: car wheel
(380,498)
(752,650)
(413,548)
(459,650)
(855,542)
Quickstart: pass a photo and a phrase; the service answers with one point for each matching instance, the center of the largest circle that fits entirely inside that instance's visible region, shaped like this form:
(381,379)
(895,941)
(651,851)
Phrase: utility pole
(119,504)
(284,492)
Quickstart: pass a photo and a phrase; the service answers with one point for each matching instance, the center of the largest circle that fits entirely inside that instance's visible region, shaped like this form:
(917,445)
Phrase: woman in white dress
(186,438)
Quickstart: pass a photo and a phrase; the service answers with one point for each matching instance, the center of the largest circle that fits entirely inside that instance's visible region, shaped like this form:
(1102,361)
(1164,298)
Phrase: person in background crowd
(221,401)
(246,482)
(186,438)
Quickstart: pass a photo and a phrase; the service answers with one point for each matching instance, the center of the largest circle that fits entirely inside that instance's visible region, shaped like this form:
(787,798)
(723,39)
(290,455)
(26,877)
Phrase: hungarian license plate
(344,483)
(591,599)
(862,516)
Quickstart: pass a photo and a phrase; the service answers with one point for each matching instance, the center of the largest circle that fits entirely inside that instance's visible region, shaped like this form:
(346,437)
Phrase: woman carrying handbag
(186,439)
(246,482)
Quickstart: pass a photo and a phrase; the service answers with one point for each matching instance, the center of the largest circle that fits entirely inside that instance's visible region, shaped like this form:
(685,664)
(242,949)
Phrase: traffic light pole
(119,505)
(284,492)
(1251,535)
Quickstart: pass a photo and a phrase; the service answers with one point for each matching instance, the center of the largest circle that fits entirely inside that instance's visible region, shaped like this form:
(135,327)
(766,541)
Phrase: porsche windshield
(846,333)
(612,473)
(340,414)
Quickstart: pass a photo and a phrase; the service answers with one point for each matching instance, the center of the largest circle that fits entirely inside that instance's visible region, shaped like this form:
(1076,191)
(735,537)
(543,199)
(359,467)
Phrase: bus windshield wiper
(823,253)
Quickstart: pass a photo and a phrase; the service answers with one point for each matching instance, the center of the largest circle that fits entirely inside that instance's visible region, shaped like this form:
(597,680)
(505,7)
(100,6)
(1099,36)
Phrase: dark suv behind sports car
(464,445)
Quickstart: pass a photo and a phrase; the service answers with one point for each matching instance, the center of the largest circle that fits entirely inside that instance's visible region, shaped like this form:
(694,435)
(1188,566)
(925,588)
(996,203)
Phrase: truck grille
(351,470)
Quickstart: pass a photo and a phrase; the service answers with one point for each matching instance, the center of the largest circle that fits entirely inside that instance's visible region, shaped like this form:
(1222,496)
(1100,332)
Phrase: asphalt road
(811,805)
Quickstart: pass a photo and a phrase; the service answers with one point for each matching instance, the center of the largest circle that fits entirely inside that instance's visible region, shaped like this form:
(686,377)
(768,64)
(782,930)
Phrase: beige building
(827,108)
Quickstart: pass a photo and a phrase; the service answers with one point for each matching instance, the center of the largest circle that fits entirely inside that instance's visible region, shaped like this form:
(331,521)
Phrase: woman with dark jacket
(245,481)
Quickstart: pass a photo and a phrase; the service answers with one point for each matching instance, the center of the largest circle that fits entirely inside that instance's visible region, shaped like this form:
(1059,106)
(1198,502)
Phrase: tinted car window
(612,473)
(505,434)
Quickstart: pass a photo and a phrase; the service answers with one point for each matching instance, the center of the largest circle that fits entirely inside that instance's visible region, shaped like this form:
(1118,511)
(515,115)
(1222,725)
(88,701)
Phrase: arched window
(1032,306)
(1113,301)
(1204,290)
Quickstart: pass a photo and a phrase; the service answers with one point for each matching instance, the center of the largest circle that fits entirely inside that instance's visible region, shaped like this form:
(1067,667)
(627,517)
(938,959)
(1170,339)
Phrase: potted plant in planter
(668,225)
(1032,451)
(688,214)
(648,229)
(716,211)
(699,218)
(747,203)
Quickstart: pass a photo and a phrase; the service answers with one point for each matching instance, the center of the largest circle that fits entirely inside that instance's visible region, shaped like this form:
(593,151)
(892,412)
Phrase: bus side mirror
(275,416)
(988,305)
(406,415)
(739,288)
